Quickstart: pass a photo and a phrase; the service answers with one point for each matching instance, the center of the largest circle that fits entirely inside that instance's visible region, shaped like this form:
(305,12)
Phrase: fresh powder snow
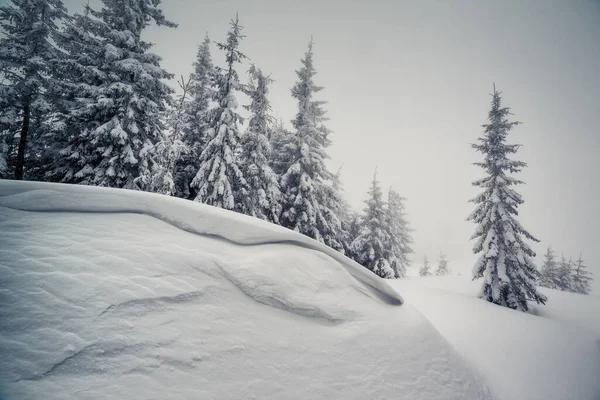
(118,294)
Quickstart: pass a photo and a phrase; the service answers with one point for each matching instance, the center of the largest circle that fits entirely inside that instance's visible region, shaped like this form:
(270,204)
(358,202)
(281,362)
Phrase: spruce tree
(170,149)
(117,115)
(305,207)
(195,119)
(582,278)
(565,274)
(442,268)
(425,269)
(27,54)
(334,200)
(371,245)
(219,180)
(549,271)
(262,197)
(399,247)
(505,263)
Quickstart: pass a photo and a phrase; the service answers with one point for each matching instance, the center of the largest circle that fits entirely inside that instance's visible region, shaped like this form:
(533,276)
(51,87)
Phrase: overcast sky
(408,85)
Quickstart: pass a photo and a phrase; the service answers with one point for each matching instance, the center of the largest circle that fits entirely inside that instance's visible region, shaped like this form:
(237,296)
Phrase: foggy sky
(408,85)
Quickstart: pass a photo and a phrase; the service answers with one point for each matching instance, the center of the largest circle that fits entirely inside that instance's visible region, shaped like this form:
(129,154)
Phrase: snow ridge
(182,214)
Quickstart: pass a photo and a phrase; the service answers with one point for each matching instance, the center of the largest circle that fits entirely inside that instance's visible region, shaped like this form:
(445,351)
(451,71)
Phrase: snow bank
(123,295)
(552,355)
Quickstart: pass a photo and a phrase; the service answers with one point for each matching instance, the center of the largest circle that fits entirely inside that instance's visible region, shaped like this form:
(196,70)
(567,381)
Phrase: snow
(553,352)
(117,294)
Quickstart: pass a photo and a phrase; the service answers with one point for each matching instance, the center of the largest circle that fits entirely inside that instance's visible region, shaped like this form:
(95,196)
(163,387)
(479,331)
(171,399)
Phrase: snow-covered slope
(111,294)
(552,355)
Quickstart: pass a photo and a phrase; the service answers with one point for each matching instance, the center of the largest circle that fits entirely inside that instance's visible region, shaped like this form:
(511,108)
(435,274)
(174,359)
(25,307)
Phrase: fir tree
(220,180)
(26,57)
(335,201)
(195,119)
(262,197)
(302,157)
(565,274)
(371,245)
(442,268)
(170,149)
(425,269)
(399,233)
(549,271)
(582,278)
(117,114)
(505,264)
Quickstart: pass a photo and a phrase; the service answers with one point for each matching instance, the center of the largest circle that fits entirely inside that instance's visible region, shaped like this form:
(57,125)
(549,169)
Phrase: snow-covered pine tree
(371,245)
(26,57)
(582,278)
(399,232)
(121,100)
(505,264)
(565,274)
(549,271)
(334,200)
(219,180)
(170,149)
(425,269)
(442,268)
(303,184)
(195,121)
(262,197)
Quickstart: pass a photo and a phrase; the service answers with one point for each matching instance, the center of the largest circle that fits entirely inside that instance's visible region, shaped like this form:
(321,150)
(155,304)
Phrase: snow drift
(109,293)
(552,353)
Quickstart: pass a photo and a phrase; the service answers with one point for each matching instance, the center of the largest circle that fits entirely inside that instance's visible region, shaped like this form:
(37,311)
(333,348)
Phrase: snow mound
(551,354)
(116,294)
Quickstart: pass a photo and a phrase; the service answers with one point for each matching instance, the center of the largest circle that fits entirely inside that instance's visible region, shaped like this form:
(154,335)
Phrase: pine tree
(565,274)
(302,157)
(26,57)
(117,115)
(195,120)
(442,268)
(282,145)
(220,180)
(262,198)
(371,244)
(425,269)
(342,210)
(170,149)
(582,278)
(506,265)
(399,233)
(549,271)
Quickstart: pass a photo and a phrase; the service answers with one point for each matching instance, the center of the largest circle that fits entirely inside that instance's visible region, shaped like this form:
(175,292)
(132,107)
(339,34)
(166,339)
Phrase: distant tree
(400,239)
(565,274)
(220,179)
(195,120)
(170,149)
(549,272)
(371,244)
(425,269)
(582,278)
(352,229)
(301,158)
(505,263)
(27,54)
(442,268)
(262,197)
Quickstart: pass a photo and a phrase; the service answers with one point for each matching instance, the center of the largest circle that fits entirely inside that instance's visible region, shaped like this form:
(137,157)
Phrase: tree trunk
(19,168)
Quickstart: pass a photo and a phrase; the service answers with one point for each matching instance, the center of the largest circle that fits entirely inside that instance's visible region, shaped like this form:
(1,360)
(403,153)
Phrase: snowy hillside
(112,294)
(554,354)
